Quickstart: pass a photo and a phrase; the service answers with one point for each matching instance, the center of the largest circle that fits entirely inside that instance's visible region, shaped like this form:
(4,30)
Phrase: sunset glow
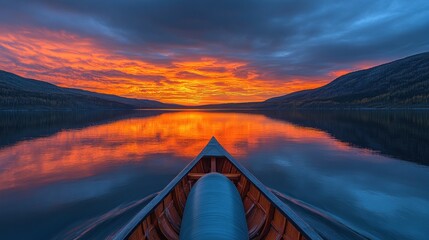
(198,52)
(70,61)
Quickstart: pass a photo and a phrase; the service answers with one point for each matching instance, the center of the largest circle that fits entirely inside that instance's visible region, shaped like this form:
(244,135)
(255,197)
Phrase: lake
(350,174)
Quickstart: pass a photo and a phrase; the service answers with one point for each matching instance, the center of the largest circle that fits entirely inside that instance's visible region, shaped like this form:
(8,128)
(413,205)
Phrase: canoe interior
(264,219)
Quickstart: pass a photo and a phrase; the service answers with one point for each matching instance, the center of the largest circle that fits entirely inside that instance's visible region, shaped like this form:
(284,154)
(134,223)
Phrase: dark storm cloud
(279,38)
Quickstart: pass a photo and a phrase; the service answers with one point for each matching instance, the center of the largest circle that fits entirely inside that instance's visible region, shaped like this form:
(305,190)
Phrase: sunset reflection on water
(83,152)
(366,170)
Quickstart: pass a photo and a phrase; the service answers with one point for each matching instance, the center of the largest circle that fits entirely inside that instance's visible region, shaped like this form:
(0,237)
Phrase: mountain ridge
(17,92)
(403,83)
(400,83)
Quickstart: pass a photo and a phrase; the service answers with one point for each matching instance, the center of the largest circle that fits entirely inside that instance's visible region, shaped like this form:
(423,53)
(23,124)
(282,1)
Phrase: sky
(205,51)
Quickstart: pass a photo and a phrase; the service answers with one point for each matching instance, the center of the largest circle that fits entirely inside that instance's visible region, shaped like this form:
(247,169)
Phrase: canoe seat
(214,210)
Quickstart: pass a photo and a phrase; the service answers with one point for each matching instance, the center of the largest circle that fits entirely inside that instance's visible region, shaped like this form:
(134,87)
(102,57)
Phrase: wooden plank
(226,168)
(173,216)
(255,221)
(213,164)
(137,234)
(278,222)
(166,229)
(292,233)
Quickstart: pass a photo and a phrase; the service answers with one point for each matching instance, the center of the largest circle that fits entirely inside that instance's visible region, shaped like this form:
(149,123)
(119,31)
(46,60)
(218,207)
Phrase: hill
(22,93)
(401,83)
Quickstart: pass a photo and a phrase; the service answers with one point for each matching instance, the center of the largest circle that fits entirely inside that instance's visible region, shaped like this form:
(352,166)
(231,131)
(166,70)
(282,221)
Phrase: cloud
(189,75)
(213,69)
(275,39)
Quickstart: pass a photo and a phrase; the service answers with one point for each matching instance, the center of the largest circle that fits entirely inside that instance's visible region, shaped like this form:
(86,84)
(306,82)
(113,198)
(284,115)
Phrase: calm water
(349,174)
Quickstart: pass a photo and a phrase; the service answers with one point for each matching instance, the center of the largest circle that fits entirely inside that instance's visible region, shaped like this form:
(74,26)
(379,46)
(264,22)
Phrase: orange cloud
(72,61)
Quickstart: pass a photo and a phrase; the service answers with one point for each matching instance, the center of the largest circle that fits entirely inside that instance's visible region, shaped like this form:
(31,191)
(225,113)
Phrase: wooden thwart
(231,176)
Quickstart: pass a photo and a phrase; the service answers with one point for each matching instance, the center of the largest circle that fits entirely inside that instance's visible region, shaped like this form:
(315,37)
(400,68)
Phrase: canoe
(266,216)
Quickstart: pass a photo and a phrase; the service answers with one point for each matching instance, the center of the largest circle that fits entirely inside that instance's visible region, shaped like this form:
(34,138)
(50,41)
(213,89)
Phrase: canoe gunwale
(214,149)
(127,230)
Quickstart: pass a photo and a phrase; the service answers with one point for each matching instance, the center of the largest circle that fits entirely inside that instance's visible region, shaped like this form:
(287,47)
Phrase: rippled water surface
(349,174)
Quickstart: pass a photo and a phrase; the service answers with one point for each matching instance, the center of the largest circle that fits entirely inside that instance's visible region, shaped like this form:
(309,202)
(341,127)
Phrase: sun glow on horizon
(68,60)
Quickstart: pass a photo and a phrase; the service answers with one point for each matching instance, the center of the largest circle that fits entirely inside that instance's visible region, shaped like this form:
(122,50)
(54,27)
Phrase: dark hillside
(401,83)
(18,93)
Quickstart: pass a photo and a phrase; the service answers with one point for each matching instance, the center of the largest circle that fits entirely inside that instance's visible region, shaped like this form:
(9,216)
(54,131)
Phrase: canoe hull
(266,216)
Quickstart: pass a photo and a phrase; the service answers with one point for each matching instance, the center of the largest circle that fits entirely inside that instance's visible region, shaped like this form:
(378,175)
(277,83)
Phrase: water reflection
(60,169)
(84,152)
(400,133)
(370,193)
